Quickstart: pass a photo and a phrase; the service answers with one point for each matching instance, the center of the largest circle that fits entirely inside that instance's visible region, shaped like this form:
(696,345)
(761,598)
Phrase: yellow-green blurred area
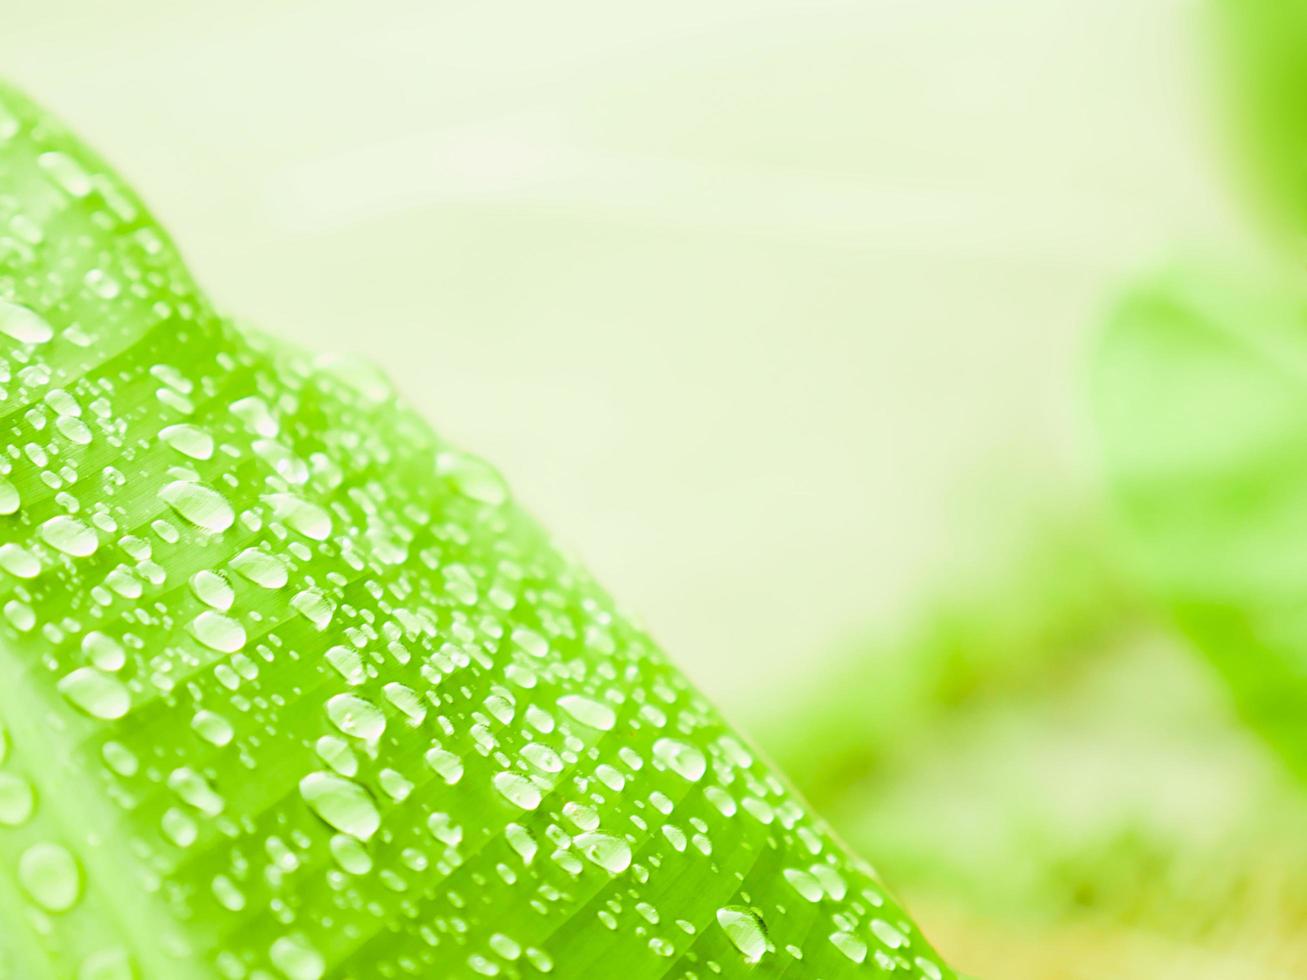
(781,314)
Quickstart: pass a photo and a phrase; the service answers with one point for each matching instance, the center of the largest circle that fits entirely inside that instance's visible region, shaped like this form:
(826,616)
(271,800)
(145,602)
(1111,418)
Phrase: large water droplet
(16,799)
(9,500)
(98,694)
(18,561)
(356,716)
(684,760)
(588,712)
(203,506)
(613,854)
(218,632)
(300,515)
(296,958)
(50,875)
(189,440)
(517,789)
(69,535)
(260,568)
(745,929)
(23,324)
(343,804)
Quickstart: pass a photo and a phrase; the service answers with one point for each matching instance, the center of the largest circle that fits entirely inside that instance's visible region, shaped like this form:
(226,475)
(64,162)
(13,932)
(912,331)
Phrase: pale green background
(752,300)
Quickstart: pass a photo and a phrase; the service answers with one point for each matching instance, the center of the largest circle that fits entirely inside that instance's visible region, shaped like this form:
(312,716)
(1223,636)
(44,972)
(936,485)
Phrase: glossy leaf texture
(1201,397)
(291,687)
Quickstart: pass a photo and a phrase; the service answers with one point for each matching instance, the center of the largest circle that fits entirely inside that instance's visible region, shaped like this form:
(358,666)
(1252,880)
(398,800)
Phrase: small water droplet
(260,568)
(18,561)
(213,728)
(472,477)
(300,515)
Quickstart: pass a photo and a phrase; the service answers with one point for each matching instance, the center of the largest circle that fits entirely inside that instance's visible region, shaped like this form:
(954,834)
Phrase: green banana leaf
(1201,396)
(291,687)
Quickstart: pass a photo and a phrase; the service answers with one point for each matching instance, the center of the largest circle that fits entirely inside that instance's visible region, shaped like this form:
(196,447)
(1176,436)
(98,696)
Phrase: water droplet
(517,789)
(189,440)
(103,651)
(213,728)
(356,716)
(296,958)
(446,765)
(218,632)
(613,854)
(853,947)
(8,497)
(350,854)
(194,789)
(472,477)
(49,874)
(16,799)
(69,535)
(228,895)
(888,934)
(212,590)
(336,753)
(202,506)
(313,606)
(18,561)
(300,515)
(98,694)
(684,760)
(22,324)
(804,883)
(348,664)
(405,699)
(343,804)
(590,713)
(107,964)
(745,929)
(66,172)
(260,568)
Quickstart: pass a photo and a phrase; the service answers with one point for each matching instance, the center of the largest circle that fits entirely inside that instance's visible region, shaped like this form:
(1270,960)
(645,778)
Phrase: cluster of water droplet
(325,699)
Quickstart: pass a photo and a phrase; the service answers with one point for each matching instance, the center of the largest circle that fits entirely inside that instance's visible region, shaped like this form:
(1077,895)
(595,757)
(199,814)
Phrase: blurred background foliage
(824,331)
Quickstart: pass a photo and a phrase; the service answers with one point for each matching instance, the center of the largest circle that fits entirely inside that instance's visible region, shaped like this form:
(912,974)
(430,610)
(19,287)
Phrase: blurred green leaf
(1261,48)
(1200,388)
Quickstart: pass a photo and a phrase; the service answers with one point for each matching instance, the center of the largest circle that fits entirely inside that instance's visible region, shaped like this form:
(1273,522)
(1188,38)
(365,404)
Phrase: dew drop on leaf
(16,799)
(356,716)
(343,804)
(517,789)
(23,324)
(745,930)
(98,694)
(296,958)
(202,506)
(69,535)
(50,875)
(613,854)
(189,440)
(588,712)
